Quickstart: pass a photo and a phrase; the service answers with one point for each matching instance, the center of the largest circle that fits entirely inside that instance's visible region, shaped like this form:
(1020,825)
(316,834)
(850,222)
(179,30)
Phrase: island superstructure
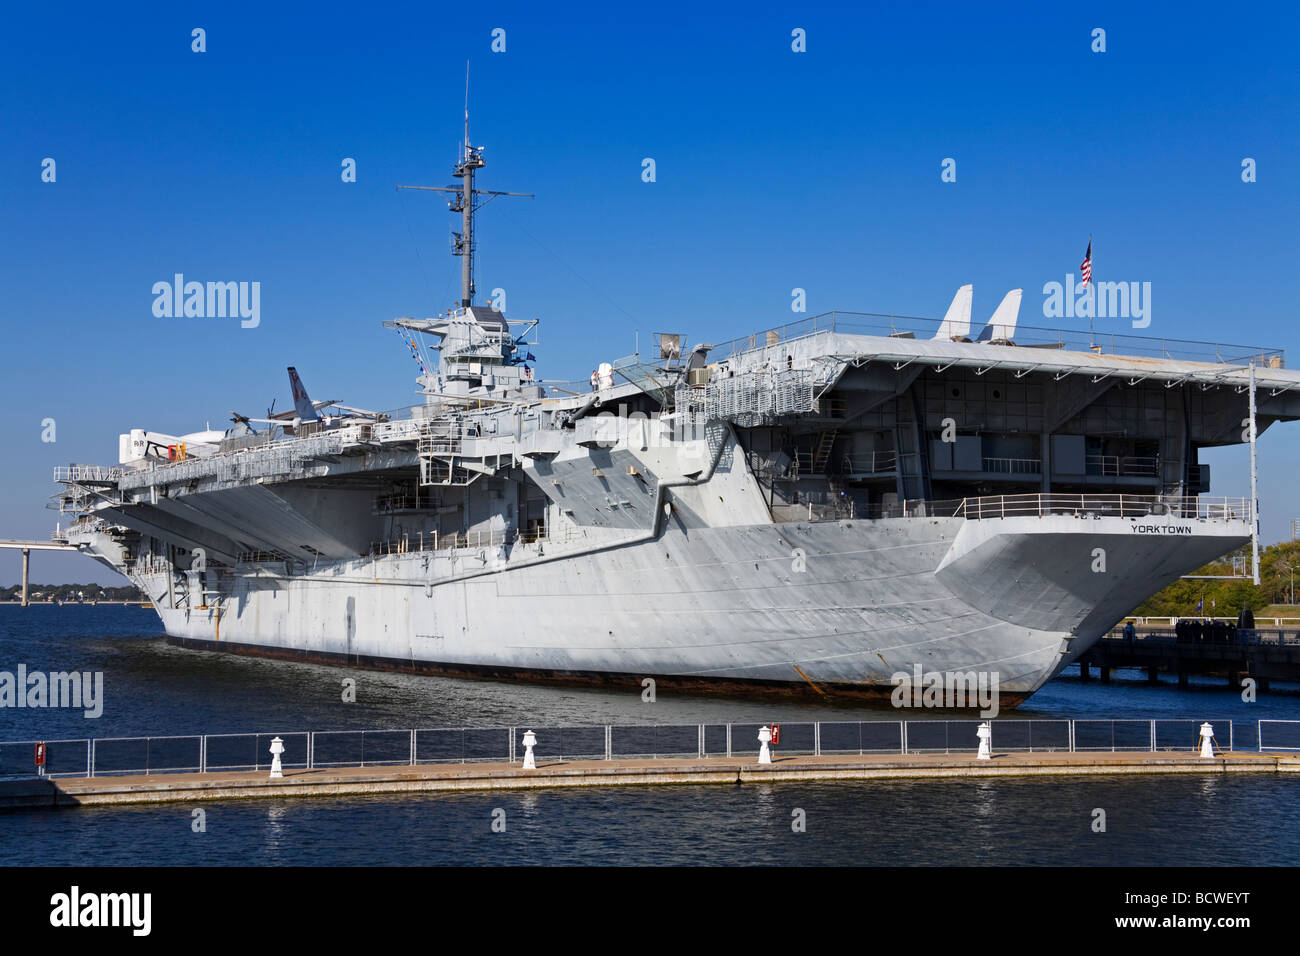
(816,507)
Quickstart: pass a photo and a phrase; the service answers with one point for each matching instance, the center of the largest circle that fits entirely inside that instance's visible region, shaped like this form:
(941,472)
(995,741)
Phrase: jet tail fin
(1003,324)
(306,410)
(956,324)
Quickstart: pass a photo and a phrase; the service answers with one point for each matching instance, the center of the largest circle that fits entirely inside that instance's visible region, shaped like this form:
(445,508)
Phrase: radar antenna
(465,199)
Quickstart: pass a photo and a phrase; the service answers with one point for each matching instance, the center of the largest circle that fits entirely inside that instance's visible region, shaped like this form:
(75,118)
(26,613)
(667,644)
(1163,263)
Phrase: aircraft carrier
(817,507)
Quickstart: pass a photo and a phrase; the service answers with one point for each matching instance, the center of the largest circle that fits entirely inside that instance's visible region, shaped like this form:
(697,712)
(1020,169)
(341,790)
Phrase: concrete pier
(427,778)
(26,547)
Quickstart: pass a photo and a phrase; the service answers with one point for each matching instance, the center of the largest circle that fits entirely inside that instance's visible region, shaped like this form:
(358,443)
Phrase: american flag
(1086,266)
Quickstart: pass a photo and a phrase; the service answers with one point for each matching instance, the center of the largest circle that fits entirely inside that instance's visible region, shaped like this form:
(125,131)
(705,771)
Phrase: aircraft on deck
(305,411)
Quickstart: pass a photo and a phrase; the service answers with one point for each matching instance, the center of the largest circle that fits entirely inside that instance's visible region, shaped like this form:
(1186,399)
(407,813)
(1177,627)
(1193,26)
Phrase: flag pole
(1092,291)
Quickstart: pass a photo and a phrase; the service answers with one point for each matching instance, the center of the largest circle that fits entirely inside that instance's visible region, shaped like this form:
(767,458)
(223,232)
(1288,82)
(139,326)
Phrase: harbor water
(152,688)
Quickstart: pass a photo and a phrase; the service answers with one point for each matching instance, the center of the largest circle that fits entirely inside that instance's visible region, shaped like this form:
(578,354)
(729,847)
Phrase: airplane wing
(355,411)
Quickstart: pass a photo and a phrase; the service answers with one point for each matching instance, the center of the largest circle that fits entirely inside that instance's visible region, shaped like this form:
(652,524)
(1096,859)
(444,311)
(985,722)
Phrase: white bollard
(530,740)
(1207,749)
(764,738)
(277,748)
(985,734)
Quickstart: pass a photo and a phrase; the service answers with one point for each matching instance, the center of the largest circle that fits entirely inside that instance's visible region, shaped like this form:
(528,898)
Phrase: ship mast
(465,199)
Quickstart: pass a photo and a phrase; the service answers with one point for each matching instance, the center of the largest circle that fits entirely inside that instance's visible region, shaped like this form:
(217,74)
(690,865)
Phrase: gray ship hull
(837,607)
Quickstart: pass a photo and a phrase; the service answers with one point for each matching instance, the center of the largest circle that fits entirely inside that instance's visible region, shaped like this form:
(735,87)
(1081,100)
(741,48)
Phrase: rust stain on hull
(805,677)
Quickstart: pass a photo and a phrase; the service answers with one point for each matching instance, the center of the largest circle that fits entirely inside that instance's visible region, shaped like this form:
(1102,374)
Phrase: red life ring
(776,734)
(40,754)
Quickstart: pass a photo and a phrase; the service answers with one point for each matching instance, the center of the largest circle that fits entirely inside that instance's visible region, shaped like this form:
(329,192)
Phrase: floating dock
(430,778)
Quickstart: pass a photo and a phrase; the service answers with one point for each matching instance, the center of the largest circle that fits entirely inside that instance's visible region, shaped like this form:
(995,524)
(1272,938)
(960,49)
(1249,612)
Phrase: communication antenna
(465,199)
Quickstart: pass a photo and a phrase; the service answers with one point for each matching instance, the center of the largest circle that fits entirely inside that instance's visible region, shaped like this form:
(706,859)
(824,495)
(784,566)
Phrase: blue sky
(775,170)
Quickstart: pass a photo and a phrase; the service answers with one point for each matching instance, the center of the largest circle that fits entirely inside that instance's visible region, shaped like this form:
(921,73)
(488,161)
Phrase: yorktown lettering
(1161,529)
(952,690)
(81,690)
(103,909)
(1099,300)
(212,300)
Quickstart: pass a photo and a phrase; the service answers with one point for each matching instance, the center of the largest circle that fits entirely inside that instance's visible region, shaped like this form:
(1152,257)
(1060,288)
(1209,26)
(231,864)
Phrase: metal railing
(1119,506)
(804,463)
(265,557)
(749,397)
(151,564)
(1014,466)
(92,473)
(870,463)
(1028,505)
(435,541)
(394,503)
(82,526)
(308,750)
(1279,735)
(440,436)
(1221,632)
(422,541)
(274,458)
(818,507)
(901,326)
(396,431)
(1126,466)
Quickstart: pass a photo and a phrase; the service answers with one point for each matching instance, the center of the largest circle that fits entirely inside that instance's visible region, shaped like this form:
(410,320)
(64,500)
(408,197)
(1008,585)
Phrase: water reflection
(277,829)
(1236,820)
